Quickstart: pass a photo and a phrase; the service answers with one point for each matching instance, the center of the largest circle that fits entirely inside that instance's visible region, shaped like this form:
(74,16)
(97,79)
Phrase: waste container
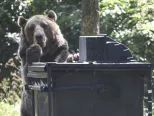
(100,88)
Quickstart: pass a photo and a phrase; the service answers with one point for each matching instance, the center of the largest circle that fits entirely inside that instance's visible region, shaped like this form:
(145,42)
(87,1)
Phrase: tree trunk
(90,17)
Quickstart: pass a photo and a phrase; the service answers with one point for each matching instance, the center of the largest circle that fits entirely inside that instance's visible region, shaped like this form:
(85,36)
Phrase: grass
(9,110)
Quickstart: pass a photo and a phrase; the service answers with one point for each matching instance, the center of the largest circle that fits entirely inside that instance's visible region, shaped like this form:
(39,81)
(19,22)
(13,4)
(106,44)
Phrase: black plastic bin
(90,89)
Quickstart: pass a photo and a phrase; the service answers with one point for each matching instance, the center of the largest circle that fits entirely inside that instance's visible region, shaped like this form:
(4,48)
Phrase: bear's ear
(21,21)
(52,15)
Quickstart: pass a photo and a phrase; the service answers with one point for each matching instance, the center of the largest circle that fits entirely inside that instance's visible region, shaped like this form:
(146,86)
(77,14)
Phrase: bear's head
(40,29)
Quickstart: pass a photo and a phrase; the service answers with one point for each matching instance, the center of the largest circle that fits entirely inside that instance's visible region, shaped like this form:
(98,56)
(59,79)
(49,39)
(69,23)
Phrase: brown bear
(41,40)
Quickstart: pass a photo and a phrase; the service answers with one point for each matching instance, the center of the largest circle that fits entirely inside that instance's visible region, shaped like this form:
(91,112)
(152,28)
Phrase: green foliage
(132,23)
(9,110)
(153,109)
(10,88)
(10,10)
(8,16)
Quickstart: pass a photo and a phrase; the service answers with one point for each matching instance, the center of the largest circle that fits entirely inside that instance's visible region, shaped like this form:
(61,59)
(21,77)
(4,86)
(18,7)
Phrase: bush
(10,87)
(9,110)
(130,22)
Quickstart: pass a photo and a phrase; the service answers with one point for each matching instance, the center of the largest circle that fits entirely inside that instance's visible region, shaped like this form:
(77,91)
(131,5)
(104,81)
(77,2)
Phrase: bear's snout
(39,37)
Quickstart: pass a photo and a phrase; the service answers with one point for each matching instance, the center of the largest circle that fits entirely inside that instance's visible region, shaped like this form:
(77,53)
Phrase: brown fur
(41,40)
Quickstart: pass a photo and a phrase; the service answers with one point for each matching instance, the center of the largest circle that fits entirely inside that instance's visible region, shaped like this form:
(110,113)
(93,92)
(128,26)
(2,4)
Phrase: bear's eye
(31,27)
(44,25)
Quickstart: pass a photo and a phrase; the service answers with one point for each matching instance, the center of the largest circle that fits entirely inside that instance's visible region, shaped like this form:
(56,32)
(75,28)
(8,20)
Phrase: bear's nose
(39,37)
